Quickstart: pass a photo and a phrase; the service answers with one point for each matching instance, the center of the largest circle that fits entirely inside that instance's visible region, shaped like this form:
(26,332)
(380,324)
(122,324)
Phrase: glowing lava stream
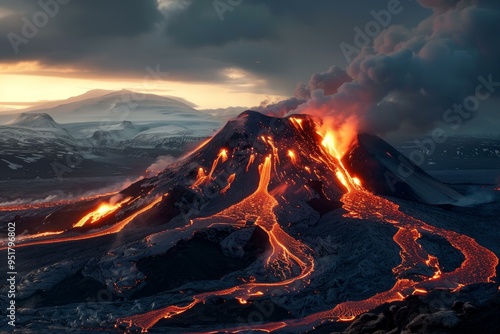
(479,264)
(110,230)
(103,210)
(201,178)
(286,251)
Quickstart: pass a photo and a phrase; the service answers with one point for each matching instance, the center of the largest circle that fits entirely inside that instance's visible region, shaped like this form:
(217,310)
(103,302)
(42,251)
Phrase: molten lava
(50,204)
(343,175)
(286,253)
(106,231)
(103,210)
(291,261)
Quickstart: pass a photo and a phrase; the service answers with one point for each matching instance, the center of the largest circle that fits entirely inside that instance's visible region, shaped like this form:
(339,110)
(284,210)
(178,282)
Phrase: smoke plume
(159,165)
(408,76)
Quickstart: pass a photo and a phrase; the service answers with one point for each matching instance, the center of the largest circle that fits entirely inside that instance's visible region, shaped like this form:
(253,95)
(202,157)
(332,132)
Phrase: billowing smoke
(159,165)
(411,76)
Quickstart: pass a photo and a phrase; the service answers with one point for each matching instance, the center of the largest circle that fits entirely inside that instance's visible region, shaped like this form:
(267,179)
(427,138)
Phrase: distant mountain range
(105,106)
(99,104)
(108,118)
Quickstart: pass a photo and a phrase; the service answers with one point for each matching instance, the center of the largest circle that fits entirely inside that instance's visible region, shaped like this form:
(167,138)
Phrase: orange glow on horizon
(32,83)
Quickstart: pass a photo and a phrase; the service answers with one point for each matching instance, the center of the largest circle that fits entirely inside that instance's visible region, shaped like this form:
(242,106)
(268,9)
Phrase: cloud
(199,24)
(410,76)
(277,43)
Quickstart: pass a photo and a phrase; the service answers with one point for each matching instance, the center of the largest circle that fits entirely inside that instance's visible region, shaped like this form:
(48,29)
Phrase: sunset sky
(214,57)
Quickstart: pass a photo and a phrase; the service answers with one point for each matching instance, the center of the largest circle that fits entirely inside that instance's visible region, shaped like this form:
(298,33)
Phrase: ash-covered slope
(386,171)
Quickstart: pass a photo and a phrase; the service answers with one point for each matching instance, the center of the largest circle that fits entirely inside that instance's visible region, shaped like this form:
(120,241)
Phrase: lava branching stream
(479,265)
(286,253)
(289,260)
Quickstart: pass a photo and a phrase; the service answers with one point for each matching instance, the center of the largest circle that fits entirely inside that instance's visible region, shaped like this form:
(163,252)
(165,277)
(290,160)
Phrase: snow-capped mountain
(110,135)
(35,128)
(101,118)
(40,121)
(94,93)
(118,106)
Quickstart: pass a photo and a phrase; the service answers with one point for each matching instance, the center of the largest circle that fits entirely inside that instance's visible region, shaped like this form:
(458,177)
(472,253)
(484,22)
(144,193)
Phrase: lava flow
(103,210)
(286,253)
(50,204)
(304,163)
(106,231)
(479,264)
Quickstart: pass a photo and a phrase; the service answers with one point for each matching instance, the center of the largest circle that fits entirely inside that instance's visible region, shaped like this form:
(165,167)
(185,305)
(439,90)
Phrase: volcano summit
(266,227)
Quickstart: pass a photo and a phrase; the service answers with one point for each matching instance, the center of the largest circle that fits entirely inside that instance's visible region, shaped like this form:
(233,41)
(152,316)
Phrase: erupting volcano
(273,225)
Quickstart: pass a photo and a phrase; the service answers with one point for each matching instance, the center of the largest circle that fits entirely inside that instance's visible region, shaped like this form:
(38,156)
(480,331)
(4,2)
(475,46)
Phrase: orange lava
(286,254)
(250,161)
(110,230)
(202,177)
(103,210)
(230,180)
(292,156)
(289,262)
(343,175)
(479,265)
(297,122)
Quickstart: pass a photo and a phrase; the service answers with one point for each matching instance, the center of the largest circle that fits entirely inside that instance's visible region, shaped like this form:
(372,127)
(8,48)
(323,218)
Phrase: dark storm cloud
(417,76)
(74,29)
(200,25)
(109,18)
(282,42)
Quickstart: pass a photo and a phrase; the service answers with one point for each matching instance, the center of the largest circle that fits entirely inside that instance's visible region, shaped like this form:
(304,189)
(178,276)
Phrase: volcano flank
(268,219)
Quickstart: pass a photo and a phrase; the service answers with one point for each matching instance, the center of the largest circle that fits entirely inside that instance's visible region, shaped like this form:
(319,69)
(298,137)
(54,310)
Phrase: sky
(379,65)
(212,53)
